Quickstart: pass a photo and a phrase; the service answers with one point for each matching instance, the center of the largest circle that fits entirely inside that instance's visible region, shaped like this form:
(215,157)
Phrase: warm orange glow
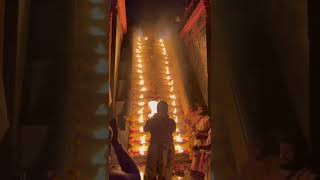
(178,148)
(173,96)
(170,83)
(143,139)
(153,108)
(178,138)
(143,87)
(141,82)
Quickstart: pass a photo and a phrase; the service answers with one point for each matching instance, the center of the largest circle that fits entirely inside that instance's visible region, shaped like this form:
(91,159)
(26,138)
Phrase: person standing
(161,151)
(202,126)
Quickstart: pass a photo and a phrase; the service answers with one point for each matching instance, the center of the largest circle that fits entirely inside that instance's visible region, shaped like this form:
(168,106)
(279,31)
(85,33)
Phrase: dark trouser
(159,164)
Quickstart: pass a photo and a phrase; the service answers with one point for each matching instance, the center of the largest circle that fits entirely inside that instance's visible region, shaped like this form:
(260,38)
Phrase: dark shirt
(161,129)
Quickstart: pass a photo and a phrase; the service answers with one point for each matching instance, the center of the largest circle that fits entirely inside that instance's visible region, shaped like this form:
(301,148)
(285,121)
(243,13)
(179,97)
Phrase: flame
(140,111)
(171,89)
(178,148)
(143,89)
(167,72)
(143,139)
(167,68)
(176,119)
(141,103)
(138,56)
(170,83)
(177,130)
(141,82)
(139,60)
(141,96)
(161,40)
(174,103)
(153,108)
(166,57)
(141,129)
(140,119)
(168,78)
(140,77)
(140,47)
(166,62)
(175,111)
(139,65)
(173,96)
(146,38)
(178,138)
(142,149)
(139,71)
(138,51)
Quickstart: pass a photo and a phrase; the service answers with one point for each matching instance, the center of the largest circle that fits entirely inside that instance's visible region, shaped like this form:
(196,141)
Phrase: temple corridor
(68,67)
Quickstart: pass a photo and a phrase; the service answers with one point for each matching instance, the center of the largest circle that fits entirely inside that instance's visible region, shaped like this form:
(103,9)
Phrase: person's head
(162,108)
(202,109)
(193,107)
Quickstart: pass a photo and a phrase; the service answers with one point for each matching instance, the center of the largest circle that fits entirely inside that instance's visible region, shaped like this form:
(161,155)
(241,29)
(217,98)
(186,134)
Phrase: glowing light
(173,96)
(176,119)
(139,47)
(146,38)
(140,77)
(141,103)
(140,111)
(139,71)
(139,65)
(167,68)
(139,60)
(178,138)
(153,108)
(166,57)
(166,62)
(141,96)
(171,89)
(138,51)
(164,53)
(139,38)
(167,72)
(174,103)
(143,89)
(175,111)
(138,56)
(141,82)
(140,120)
(161,40)
(141,129)
(168,78)
(170,83)
(177,130)
(143,139)
(142,149)
(179,148)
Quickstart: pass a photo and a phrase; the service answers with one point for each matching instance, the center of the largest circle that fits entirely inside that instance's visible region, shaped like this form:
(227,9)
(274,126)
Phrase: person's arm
(147,126)
(126,163)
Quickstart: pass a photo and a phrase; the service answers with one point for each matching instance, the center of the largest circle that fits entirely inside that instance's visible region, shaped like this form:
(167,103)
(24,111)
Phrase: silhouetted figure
(161,149)
(129,170)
